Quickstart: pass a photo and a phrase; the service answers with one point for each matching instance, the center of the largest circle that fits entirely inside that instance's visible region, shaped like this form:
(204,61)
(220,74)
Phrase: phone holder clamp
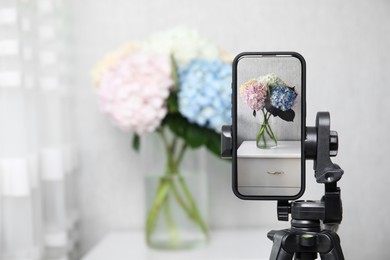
(226,142)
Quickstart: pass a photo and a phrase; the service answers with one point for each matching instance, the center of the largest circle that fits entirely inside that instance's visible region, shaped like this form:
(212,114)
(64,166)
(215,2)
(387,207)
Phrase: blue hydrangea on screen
(283,97)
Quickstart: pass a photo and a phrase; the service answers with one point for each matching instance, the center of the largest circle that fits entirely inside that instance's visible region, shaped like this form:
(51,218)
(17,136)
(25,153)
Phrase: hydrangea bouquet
(176,84)
(272,96)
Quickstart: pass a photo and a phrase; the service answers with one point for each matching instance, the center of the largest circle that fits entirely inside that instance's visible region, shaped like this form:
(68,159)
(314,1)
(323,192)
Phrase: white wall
(345,44)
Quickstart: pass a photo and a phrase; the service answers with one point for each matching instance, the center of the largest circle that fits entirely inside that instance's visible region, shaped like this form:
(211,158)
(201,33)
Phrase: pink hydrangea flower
(253,94)
(133,91)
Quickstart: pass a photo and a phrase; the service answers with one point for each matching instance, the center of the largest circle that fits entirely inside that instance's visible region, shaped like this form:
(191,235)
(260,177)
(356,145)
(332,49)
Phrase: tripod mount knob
(311,143)
(333,143)
(284,208)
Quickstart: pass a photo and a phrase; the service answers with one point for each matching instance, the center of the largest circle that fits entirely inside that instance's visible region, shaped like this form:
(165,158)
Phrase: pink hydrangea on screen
(133,91)
(253,94)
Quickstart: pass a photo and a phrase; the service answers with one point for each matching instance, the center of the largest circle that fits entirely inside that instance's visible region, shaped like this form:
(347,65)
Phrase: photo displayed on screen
(269,125)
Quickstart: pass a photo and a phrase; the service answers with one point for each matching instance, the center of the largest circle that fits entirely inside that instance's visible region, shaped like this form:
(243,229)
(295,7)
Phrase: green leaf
(214,143)
(177,124)
(172,103)
(285,115)
(136,142)
(196,136)
(192,134)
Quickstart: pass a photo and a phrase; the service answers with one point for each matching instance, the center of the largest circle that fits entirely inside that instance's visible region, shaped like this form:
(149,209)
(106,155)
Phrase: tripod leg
(278,252)
(335,253)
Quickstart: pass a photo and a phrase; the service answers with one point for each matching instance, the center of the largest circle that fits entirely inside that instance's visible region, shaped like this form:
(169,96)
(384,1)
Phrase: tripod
(305,239)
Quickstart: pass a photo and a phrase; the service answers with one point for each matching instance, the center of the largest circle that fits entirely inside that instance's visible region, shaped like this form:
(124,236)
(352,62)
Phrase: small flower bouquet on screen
(269,95)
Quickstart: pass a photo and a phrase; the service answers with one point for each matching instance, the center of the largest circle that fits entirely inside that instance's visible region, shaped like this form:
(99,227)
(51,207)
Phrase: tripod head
(305,238)
(320,144)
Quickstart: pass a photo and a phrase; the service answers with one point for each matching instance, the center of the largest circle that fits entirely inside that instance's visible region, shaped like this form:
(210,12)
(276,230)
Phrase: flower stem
(179,199)
(181,154)
(163,138)
(161,194)
(264,140)
(265,129)
(194,208)
(269,129)
(272,134)
(170,221)
(266,126)
(260,134)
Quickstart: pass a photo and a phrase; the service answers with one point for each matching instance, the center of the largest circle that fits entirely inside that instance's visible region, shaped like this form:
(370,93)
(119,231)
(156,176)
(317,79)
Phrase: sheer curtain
(38,166)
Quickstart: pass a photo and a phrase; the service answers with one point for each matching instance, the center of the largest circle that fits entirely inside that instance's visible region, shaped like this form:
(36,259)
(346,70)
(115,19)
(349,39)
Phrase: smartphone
(268,125)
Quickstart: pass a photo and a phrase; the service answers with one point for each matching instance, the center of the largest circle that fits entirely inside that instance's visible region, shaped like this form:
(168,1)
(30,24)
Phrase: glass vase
(176,210)
(176,197)
(266,138)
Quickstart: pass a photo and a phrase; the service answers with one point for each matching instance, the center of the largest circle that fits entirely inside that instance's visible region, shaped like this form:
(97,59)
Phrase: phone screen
(268,125)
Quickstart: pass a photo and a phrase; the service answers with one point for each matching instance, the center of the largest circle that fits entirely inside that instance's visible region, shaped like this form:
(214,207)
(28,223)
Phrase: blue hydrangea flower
(205,94)
(283,97)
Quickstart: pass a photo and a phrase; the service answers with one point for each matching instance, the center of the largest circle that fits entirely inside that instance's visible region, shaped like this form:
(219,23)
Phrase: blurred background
(54,140)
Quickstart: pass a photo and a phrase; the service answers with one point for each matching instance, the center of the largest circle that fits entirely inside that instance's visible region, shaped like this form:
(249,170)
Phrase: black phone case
(234,125)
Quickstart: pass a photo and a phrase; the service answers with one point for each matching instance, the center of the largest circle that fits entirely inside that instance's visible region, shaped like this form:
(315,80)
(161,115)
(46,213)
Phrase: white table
(224,244)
